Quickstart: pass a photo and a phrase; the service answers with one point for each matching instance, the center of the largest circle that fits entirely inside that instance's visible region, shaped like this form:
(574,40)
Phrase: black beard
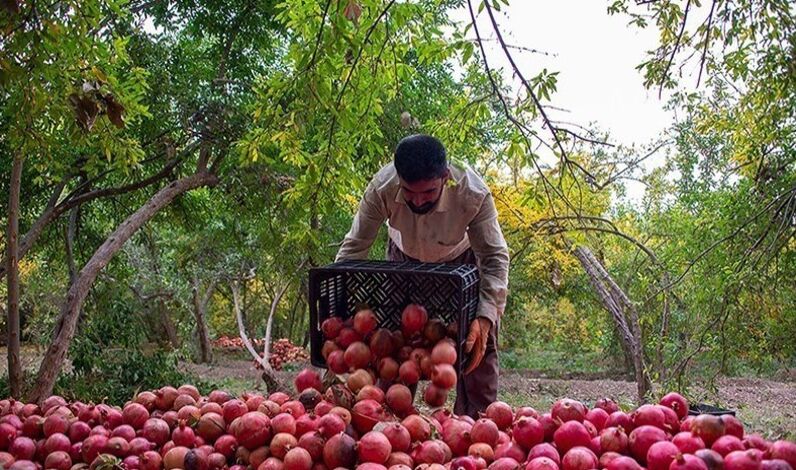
(420,210)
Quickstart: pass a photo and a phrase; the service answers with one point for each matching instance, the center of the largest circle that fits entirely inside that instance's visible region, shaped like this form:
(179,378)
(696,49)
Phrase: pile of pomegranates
(177,428)
(393,361)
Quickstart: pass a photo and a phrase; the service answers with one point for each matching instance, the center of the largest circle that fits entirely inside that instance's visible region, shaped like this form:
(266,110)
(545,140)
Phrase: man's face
(422,196)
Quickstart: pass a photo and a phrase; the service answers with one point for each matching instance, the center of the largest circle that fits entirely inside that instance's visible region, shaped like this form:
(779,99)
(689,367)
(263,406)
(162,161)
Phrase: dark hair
(420,157)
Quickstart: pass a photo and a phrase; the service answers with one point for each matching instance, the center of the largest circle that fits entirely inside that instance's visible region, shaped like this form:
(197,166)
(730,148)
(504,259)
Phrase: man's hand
(476,342)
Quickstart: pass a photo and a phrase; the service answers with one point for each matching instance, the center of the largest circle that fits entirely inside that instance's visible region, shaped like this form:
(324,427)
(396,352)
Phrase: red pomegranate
(598,417)
(579,458)
(571,434)
(365,321)
(623,463)
(708,428)
(687,442)
(374,447)
(544,450)
(413,319)
(528,432)
(743,460)
(568,410)
(712,459)
(726,444)
(783,450)
(687,462)
(308,378)
(661,454)
(676,402)
(340,451)
(642,438)
(501,413)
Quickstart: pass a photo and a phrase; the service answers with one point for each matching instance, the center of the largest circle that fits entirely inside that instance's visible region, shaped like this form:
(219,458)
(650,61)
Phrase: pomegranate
(57,442)
(527,432)
(308,378)
(464,463)
(549,426)
(571,434)
(283,422)
(613,440)
(444,352)
(545,450)
(216,461)
(399,398)
(253,430)
(648,415)
(504,463)
(712,459)
(413,319)
(566,409)
(55,423)
(150,460)
(661,454)
(598,417)
(156,430)
(398,435)
(298,459)
(418,428)
(732,426)
(388,369)
(322,408)
(232,409)
(371,392)
(58,460)
(365,321)
(541,463)
(687,462)
(726,444)
(313,442)
(642,438)
(294,407)
(359,379)
(139,445)
(340,451)
(92,447)
(400,459)
(435,396)
(501,413)
(622,462)
(486,431)
(258,456)
(671,422)
(783,450)
(31,427)
(366,414)
(357,355)
(347,337)
(22,448)
(444,376)
(374,447)
(23,465)
(7,435)
(78,431)
(607,404)
(118,447)
(429,452)
(271,463)
(331,327)
(511,450)
(620,419)
(676,402)
(754,441)
(743,460)
(457,435)
(526,411)
(483,451)
(579,458)
(306,423)
(687,442)
(685,425)
(381,343)
(281,443)
(183,436)
(708,428)
(135,414)
(775,464)
(330,424)
(175,458)
(409,372)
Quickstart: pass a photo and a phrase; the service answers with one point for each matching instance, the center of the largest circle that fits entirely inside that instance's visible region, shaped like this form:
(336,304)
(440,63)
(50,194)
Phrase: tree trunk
(71,231)
(168,326)
(200,312)
(56,352)
(268,375)
(619,306)
(12,245)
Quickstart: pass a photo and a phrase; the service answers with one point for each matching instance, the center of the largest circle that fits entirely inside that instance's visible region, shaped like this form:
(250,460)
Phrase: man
(438,212)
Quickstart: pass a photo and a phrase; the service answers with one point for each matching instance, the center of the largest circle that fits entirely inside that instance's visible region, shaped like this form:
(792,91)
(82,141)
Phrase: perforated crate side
(448,292)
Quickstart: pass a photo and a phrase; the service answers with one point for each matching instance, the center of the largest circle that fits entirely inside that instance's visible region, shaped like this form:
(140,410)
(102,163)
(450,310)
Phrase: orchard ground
(766,406)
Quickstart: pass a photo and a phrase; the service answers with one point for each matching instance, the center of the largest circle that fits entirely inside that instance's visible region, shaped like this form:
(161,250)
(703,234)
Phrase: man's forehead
(422,186)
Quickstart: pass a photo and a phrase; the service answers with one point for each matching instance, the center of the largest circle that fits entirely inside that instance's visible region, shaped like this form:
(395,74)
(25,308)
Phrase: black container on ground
(447,291)
(702,409)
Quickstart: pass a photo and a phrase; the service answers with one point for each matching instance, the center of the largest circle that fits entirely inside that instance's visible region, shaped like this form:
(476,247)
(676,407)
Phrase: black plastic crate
(703,409)
(447,291)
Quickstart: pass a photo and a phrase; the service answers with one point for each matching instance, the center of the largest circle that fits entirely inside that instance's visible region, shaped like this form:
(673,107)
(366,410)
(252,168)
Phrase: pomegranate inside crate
(447,292)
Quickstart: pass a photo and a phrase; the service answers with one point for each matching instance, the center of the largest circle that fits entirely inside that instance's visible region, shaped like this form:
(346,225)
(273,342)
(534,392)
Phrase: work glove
(475,345)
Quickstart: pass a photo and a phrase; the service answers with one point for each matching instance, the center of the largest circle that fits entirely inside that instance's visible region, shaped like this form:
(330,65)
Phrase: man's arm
(369,217)
(489,246)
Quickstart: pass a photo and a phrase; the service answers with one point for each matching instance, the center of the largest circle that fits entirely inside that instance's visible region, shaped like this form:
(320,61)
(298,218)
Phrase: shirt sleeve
(492,252)
(369,217)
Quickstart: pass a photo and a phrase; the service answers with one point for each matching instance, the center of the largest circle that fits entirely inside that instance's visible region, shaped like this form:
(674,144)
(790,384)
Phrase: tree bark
(54,210)
(12,246)
(56,352)
(268,375)
(619,306)
(169,331)
(200,302)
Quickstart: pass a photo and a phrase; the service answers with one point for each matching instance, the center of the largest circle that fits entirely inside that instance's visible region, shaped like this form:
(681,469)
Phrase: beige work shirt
(464,217)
